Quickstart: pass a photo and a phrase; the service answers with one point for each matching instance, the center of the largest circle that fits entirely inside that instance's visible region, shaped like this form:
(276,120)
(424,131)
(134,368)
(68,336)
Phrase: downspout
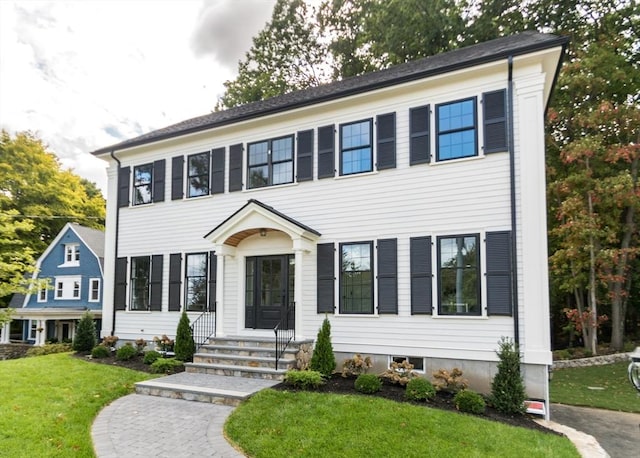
(512,177)
(113,319)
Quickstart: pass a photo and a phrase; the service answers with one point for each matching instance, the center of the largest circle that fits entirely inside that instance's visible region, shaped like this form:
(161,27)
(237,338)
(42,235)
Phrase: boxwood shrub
(368,383)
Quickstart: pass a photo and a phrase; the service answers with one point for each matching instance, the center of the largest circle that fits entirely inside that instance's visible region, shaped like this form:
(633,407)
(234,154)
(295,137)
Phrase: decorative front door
(268,291)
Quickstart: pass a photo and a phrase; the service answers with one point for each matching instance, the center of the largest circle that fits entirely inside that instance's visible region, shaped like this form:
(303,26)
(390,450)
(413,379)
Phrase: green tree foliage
(16,257)
(184,347)
(507,387)
(85,338)
(323,359)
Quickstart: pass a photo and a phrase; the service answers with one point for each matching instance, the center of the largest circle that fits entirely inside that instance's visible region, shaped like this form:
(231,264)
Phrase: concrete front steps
(226,371)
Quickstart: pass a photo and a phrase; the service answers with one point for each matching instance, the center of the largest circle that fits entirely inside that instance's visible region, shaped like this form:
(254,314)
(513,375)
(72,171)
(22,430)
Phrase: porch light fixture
(263,232)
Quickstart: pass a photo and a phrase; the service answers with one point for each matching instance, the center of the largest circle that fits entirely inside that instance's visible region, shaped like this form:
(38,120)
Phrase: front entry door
(268,290)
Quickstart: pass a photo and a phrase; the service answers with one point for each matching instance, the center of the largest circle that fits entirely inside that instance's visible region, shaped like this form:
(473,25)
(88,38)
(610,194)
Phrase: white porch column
(4,333)
(41,335)
(297,294)
(222,252)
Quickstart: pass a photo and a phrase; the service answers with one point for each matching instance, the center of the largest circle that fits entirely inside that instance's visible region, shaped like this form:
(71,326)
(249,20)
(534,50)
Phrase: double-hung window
(198,166)
(68,287)
(356,278)
(196,282)
(356,152)
(270,162)
(457,133)
(459,276)
(142,184)
(94,290)
(140,276)
(72,254)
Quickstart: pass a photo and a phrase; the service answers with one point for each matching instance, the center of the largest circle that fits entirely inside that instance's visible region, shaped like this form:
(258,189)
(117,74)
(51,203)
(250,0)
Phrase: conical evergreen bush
(85,338)
(184,347)
(507,387)
(323,359)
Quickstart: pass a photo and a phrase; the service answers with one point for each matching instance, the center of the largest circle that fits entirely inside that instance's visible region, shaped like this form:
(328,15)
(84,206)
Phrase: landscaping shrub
(140,344)
(323,359)
(166,366)
(109,341)
(49,349)
(150,357)
(451,382)
(469,401)
(126,352)
(399,373)
(184,347)
(368,383)
(304,380)
(507,387)
(419,389)
(85,338)
(100,351)
(356,365)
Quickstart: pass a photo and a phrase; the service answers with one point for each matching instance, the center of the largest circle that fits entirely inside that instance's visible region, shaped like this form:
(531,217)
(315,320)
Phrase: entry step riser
(189,396)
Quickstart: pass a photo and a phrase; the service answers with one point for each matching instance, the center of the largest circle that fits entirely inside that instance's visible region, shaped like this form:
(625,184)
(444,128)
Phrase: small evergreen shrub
(151,356)
(305,380)
(85,338)
(507,387)
(184,347)
(469,401)
(49,349)
(323,359)
(126,352)
(166,366)
(399,373)
(368,383)
(450,382)
(419,389)
(100,351)
(356,365)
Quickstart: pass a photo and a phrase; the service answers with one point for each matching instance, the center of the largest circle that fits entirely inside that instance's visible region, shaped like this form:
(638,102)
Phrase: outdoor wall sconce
(263,232)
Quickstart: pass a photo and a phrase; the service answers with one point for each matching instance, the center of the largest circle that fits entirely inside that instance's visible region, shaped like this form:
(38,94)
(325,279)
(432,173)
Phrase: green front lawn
(287,424)
(48,403)
(604,387)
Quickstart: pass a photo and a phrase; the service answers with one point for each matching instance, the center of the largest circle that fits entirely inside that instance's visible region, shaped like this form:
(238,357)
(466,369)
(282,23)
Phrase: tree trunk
(592,345)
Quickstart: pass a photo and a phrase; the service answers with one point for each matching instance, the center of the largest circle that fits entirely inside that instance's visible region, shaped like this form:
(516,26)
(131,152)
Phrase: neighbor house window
(71,254)
(456,130)
(356,278)
(459,279)
(142,184)
(59,289)
(68,287)
(43,292)
(94,290)
(140,272)
(33,329)
(196,282)
(76,289)
(198,170)
(270,162)
(356,153)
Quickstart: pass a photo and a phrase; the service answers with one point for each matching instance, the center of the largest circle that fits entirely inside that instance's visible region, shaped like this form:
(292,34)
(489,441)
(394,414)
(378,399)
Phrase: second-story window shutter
(386,141)
(326,278)
(217,171)
(177,178)
(159,171)
(155,283)
(419,141)
(388,276)
(120,285)
(494,110)
(421,275)
(213,278)
(124,174)
(235,167)
(305,155)
(175,281)
(499,273)
(326,151)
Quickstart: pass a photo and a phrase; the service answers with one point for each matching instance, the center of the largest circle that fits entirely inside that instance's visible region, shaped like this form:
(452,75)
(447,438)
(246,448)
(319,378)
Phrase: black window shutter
(499,272)
(120,287)
(159,170)
(217,171)
(326,152)
(235,167)
(123,186)
(213,272)
(388,276)
(494,108)
(420,145)
(155,283)
(386,141)
(177,178)
(326,277)
(175,281)
(305,155)
(421,275)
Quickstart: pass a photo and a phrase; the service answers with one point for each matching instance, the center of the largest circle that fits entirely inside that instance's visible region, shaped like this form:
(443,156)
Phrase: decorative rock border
(13,350)
(593,361)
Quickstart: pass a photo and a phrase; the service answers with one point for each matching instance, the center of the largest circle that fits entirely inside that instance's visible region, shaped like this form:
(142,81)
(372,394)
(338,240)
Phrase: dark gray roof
(94,238)
(489,51)
(17,301)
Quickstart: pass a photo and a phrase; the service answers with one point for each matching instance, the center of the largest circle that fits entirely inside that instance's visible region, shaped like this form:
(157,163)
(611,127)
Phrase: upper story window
(94,290)
(196,282)
(140,276)
(356,152)
(270,162)
(356,278)
(43,292)
(71,254)
(142,184)
(68,287)
(456,125)
(198,166)
(459,279)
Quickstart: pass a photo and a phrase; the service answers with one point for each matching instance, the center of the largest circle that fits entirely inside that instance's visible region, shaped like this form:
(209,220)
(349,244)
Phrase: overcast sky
(87,74)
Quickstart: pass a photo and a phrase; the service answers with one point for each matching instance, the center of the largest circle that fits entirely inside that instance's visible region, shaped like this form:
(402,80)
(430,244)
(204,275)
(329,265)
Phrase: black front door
(268,290)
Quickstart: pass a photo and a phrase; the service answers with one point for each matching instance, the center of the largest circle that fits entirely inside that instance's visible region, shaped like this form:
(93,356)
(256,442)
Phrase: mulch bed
(136,363)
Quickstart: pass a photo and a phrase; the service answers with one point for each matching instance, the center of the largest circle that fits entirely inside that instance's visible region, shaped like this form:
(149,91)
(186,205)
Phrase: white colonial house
(407,205)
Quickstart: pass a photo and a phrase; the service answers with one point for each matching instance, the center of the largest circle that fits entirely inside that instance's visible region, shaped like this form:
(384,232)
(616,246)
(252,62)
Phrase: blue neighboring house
(70,278)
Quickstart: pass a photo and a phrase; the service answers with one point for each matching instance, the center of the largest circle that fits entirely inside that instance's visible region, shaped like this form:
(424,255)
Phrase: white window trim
(91,289)
(68,287)
(43,287)
(33,329)
(74,248)
(406,357)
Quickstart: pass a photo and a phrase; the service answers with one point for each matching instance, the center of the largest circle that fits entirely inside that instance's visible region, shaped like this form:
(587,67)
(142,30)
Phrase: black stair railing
(285,331)
(203,328)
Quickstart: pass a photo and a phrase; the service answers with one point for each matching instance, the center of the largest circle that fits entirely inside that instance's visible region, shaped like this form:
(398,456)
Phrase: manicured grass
(48,403)
(287,424)
(575,386)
